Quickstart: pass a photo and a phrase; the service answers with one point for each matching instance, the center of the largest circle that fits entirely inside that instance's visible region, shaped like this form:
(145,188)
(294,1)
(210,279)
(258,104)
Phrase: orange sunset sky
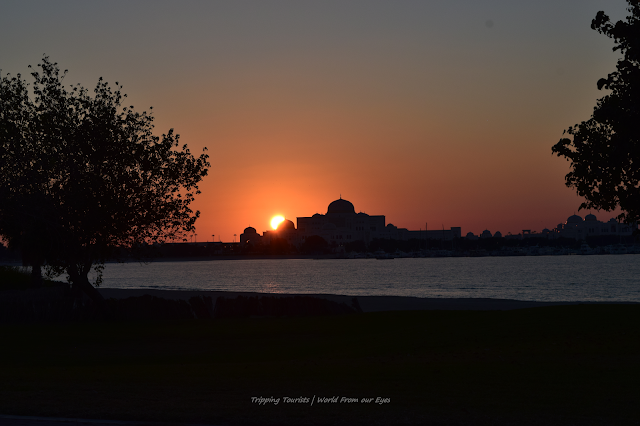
(424,111)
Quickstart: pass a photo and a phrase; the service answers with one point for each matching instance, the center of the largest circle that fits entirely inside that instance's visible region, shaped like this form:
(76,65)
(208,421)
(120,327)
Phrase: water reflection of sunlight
(550,278)
(271,287)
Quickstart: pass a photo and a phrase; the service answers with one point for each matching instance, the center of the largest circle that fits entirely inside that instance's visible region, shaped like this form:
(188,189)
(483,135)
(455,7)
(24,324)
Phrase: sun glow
(277,220)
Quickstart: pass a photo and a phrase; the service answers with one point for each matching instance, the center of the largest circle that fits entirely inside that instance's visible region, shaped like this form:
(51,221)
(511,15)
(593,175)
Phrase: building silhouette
(341,224)
(579,229)
(574,227)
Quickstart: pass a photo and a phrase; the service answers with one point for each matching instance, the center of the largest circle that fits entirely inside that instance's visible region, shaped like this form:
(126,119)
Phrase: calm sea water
(540,278)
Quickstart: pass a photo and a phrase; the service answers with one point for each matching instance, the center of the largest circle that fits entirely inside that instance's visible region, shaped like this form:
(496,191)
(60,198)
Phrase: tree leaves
(604,152)
(81,175)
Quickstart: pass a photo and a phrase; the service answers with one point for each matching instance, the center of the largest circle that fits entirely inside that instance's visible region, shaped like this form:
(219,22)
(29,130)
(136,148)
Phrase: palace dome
(249,230)
(574,219)
(341,206)
(285,225)
(590,217)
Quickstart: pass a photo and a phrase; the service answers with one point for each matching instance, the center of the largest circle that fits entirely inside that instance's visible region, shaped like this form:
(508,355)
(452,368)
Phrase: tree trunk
(35,261)
(36,276)
(81,284)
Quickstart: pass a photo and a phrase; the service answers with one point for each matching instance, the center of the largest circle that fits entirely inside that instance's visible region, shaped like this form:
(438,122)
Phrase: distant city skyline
(440,112)
(341,223)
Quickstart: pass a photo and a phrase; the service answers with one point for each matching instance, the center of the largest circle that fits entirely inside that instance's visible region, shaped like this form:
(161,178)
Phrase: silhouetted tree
(80,175)
(605,150)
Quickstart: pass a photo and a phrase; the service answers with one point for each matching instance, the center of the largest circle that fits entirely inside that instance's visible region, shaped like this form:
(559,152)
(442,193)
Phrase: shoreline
(367,303)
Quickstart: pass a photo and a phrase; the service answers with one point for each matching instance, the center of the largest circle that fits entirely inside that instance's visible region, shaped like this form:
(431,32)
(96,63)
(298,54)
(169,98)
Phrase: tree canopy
(604,151)
(82,174)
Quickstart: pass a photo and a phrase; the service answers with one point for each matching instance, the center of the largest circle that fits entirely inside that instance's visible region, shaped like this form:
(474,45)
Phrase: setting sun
(277,220)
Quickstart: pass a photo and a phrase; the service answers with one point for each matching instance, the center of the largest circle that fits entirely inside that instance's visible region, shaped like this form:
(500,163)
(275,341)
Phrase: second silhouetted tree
(604,151)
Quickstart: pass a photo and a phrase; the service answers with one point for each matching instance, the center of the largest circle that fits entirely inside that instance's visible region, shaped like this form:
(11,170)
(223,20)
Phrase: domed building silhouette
(286,225)
(341,206)
(250,236)
(341,224)
(286,231)
(575,219)
(577,228)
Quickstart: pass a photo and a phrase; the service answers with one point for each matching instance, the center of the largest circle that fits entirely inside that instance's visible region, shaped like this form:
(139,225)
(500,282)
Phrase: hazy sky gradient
(424,111)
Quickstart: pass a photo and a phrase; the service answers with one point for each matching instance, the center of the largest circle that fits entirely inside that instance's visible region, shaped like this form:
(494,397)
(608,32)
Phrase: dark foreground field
(560,365)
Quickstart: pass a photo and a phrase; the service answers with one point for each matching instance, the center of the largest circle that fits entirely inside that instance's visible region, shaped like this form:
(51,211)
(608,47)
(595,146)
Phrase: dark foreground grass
(559,366)
(19,278)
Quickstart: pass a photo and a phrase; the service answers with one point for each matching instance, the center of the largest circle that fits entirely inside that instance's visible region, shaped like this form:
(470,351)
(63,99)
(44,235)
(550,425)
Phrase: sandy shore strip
(367,303)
